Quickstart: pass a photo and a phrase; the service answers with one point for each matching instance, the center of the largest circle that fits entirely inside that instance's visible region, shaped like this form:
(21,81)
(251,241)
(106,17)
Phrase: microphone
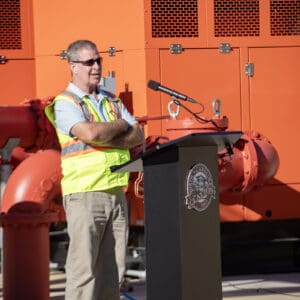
(157,87)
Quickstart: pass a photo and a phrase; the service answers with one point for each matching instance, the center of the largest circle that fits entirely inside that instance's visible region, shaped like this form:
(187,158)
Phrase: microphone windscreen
(153,85)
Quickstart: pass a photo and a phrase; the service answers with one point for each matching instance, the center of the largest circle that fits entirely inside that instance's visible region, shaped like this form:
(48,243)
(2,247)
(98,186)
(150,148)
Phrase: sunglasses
(89,62)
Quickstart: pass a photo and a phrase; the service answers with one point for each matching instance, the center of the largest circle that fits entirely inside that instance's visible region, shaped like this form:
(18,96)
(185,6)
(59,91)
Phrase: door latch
(3,59)
(249,69)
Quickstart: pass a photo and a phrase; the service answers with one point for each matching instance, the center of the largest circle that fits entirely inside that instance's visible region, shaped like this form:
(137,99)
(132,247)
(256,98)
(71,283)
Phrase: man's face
(87,68)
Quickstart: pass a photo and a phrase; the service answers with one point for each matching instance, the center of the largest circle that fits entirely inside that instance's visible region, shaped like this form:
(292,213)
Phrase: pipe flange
(250,163)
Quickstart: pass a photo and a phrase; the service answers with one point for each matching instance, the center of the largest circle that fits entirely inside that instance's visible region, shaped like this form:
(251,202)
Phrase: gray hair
(72,51)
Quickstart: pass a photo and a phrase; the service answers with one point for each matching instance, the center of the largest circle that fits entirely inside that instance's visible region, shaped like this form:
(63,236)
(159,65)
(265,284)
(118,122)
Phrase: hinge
(3,59)
(225,48)
(249,69)
(112,51)
(63,54)
(175,49)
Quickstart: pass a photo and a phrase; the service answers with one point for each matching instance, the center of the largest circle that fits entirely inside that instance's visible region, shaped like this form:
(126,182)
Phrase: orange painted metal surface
(135,39)
(266,101)
(17,65)
(17,81)
(267,36)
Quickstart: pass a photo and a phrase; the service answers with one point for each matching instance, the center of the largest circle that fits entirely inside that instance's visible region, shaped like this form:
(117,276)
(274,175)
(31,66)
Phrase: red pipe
(31,190)
(36,179)
(268,159)
(25,218)
(254,160)
(29,123)
(18,121)
(26,255)
(253,163)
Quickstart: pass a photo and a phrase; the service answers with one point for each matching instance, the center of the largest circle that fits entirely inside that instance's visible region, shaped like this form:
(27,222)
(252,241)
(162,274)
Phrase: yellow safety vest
(86,167)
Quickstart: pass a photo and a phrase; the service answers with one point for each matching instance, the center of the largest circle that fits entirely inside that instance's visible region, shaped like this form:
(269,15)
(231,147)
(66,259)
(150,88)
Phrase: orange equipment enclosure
(245,53)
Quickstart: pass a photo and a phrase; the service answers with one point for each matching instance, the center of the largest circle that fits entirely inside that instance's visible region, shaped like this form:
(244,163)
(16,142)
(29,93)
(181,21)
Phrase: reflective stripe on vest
(87,114)
(73,148)
(113,110)
(84,167)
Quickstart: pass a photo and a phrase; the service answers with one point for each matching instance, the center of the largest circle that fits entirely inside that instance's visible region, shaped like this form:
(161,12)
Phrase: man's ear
(73,68)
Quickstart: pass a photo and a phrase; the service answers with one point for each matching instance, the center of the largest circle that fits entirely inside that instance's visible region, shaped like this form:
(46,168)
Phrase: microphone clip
(174,113)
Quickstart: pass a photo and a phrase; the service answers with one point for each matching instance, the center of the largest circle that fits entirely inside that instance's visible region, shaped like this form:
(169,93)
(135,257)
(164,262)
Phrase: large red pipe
(254,160)
(253,163)
(34,183)
(18,122)
(25,218)
(26,255)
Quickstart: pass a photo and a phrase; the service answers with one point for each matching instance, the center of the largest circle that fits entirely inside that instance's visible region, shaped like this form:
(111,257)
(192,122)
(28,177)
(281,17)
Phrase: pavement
(262,287)
(282,286)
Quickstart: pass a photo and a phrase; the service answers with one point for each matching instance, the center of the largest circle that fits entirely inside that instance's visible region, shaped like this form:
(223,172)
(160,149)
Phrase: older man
(95,131)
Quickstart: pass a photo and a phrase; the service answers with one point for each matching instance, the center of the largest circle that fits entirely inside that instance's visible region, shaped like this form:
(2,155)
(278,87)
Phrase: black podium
(182,228)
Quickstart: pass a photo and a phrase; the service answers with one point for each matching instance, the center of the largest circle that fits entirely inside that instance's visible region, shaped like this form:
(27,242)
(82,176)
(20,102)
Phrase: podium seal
(200,189)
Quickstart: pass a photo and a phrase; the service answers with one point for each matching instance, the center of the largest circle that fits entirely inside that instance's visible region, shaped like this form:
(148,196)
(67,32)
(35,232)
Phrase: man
(95,131)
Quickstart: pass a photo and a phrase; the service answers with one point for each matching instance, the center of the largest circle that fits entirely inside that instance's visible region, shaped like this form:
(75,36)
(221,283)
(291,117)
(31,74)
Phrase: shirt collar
(80,93)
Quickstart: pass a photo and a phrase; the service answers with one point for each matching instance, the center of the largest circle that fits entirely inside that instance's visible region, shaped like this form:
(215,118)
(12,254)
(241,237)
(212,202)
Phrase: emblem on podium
(200,188)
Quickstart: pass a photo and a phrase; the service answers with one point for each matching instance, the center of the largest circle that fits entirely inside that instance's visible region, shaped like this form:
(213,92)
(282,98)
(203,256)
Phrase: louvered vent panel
(10,25)
(285,17)
(236,18)
(177,18)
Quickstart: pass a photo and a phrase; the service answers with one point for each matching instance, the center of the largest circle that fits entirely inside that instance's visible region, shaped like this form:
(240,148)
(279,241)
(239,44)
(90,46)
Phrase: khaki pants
(97,227)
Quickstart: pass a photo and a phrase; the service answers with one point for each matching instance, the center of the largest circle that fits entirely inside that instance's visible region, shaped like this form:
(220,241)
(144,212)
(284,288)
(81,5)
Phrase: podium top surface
(221,139)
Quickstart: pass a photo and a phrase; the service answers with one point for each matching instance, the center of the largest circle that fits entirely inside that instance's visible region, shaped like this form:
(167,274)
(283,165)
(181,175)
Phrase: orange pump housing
(245,53)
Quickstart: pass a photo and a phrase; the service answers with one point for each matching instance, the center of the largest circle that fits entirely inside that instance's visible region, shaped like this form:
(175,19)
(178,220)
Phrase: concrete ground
(284,286)
(245,287)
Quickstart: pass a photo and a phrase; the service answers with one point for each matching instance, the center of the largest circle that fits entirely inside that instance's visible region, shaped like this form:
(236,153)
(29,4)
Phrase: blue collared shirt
(67,113)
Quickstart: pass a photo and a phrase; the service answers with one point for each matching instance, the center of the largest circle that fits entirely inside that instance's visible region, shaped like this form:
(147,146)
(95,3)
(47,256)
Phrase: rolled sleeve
(127,116)
(67,114)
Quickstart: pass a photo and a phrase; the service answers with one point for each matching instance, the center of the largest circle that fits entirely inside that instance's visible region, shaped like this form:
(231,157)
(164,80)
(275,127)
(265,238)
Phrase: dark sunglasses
(89,62)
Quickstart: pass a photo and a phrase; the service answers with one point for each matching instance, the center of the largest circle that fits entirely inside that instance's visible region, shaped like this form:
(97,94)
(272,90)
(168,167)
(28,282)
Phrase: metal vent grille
(175,18)
(285,17)
(236,18)
(10,25)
